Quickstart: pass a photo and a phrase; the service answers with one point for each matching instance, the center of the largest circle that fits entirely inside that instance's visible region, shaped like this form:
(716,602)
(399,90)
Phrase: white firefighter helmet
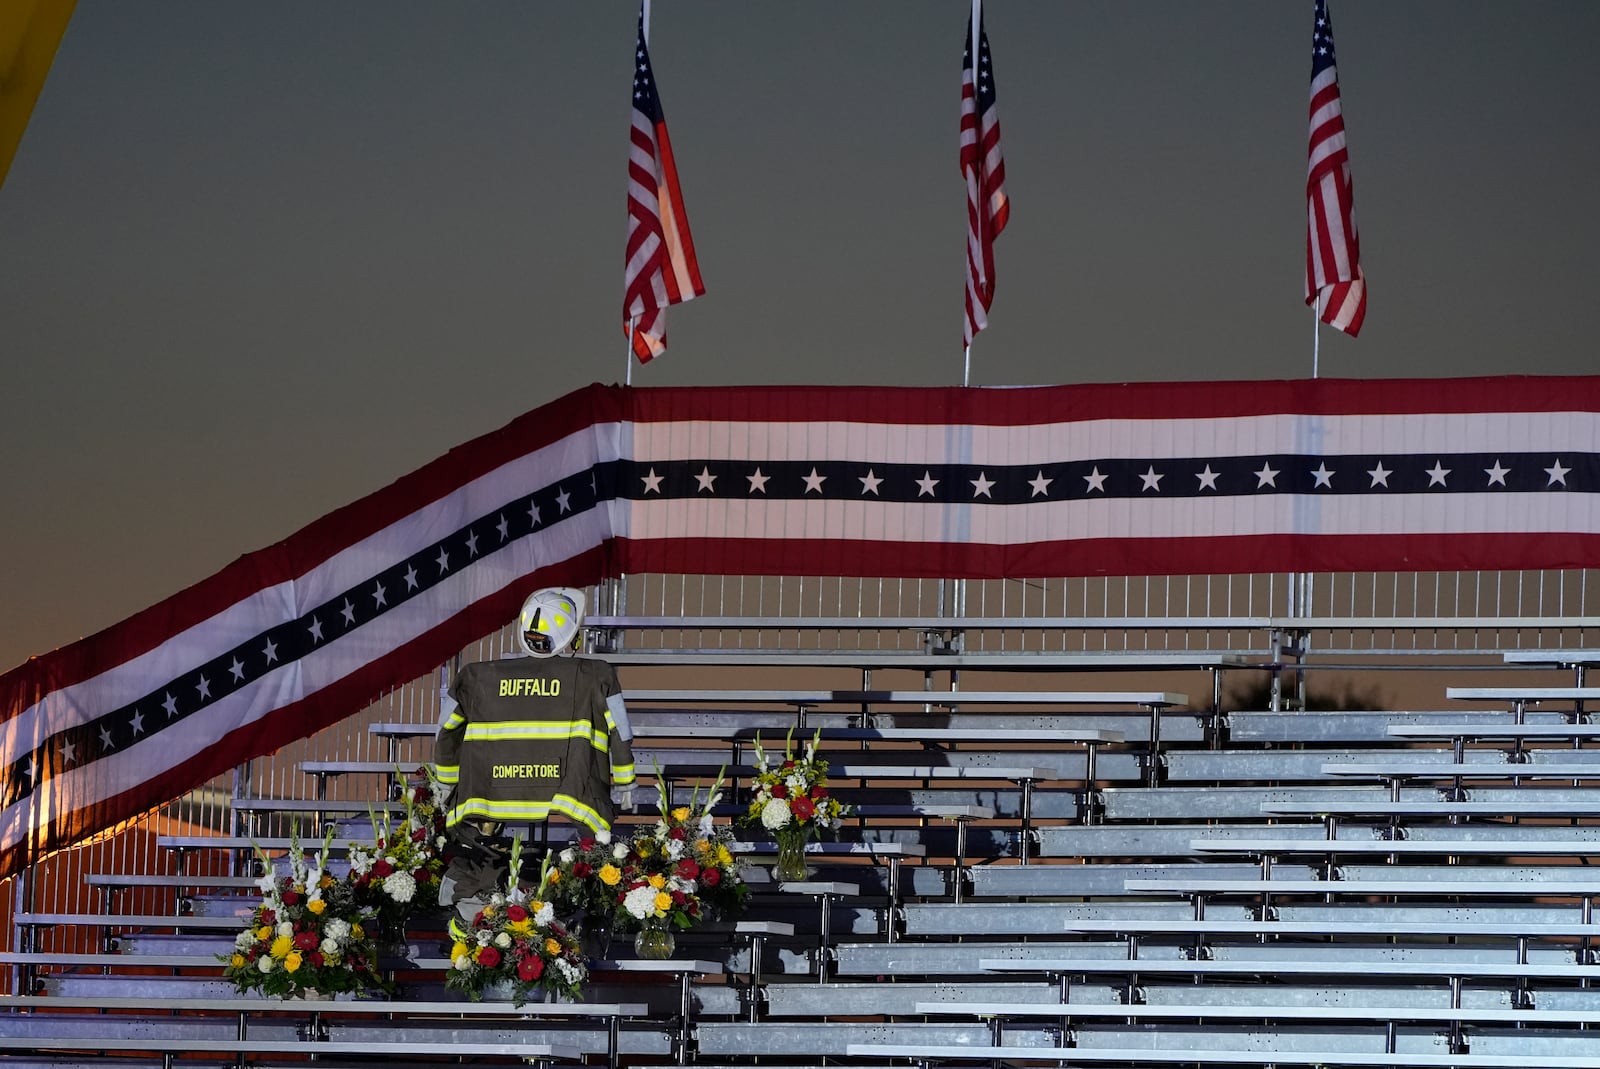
(552,621)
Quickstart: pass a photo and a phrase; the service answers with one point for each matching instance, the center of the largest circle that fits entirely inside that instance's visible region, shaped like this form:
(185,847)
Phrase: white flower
(284,928)
(603,837)
(439,842)
(567,856)
(503,940)
(244,939)
(675,848)
(267,883)
(619,851)
(775,814)
(264,963)
(497,899)
(411,794)
(400,886)
(329,948)
(337,928)
(545,915)
(484,936)
(797,783)
(568,970)
(463,963)
(706,827)
(640,902)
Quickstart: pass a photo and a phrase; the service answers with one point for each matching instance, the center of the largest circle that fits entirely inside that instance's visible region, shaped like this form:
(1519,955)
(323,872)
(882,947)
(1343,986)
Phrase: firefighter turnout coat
(529,737)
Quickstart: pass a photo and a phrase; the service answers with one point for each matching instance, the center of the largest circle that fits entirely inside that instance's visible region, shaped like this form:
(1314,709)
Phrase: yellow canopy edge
(30,33)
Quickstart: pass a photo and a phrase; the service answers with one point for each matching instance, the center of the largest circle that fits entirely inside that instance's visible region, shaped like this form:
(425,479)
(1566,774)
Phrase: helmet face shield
(552,621)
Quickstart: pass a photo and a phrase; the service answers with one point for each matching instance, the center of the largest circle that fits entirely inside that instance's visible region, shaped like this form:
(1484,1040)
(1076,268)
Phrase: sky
(259,260)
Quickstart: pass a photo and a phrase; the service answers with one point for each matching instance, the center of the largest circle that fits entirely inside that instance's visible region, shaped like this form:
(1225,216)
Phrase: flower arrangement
(517,942)
(401,871)
(308,934)
(584,878)
(680,870)
(790,799)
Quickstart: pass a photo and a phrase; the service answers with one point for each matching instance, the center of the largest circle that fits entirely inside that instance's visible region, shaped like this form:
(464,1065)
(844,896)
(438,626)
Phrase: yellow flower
(535,906)
(657,881)
(456,952)
(522,927)
(327,881)
(292,962)
(663,901)
(356,931)
(552,947)
(681,814)
(281,946)
(610,875)
(554,876)
(702,846)
(317,905)
(236,961)
(263,933)
(724,856)
(299,888)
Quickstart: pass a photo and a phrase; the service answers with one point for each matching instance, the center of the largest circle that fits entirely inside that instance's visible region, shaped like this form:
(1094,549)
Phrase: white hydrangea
(775,814)
(640,902)
(400,886)
(503,940)
(284,928)
(568,970)
(674,848)
(244,939)
(545,915)
(264,963)
(337,928)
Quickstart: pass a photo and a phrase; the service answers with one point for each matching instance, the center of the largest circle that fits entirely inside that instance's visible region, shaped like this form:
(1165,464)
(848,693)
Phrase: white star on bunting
(814,481)
(652,483)
(1041,485)
(758,481)
(706,480)
(1497,474)
(1323,476)
(869,483)
(1437,473)
(1208,478)
(1380,475)
(981,486)
(1095,480)
(926,484)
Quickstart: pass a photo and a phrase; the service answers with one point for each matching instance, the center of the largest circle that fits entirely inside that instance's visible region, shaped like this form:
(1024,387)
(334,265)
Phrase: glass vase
(656,944)
(791,866)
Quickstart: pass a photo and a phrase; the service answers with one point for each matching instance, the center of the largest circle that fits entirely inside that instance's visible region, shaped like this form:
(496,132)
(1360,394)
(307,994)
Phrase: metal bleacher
(1057,857)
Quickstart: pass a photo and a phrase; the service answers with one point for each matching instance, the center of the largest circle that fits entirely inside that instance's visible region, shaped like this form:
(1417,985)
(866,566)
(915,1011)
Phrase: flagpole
(627,360)
(1316,332)
(633,322)
(977,23)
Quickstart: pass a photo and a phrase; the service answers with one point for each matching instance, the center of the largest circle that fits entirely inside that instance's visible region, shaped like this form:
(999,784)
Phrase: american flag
(1103,479)
(1333,249)
(661,267)
(984,168)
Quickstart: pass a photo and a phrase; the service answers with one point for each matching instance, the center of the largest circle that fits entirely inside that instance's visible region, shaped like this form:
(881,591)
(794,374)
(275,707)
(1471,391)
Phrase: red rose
(380,869)
(516,913)
(802,807)
(586,843)
(688,868)
(488,956)
(780,790)
(710,877)
(291,897)
(581,869)
(530,969)
(677,898)
(678,834)
(269,917)
(419,835)
(422,876)
(477,921)
(786,766)
(307,941)
(819,793)
(316,959)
